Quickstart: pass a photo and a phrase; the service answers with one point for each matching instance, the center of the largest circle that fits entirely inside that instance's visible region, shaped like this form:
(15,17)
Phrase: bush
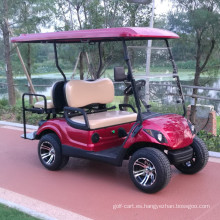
(212,142)
(15,113)
(3,102)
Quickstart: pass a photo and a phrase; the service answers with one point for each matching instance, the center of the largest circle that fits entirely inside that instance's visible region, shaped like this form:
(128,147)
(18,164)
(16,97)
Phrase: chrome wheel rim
(47,153)
(144,172)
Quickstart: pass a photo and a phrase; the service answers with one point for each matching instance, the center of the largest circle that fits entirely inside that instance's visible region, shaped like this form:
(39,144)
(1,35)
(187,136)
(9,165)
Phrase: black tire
(50,154)
(156,172)
(199,160)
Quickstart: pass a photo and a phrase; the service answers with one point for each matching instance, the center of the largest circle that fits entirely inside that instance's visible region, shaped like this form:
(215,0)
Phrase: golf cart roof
(94,35)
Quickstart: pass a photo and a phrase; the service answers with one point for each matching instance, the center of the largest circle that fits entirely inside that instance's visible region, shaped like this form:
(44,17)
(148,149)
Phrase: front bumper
(181,155)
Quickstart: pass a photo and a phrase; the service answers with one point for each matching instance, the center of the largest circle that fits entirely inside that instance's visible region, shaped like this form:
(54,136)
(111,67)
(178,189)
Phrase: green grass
(7,213)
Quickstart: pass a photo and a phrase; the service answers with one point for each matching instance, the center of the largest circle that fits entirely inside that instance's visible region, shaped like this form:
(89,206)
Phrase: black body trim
(112,156)
(136,130)
(181,155)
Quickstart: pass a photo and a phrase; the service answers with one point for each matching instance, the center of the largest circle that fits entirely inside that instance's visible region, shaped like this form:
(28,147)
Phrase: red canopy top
(107,34)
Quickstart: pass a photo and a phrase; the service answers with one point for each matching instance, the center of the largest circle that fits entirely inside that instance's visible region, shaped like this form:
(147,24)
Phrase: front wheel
(149,170)
(199,159)
(49,152)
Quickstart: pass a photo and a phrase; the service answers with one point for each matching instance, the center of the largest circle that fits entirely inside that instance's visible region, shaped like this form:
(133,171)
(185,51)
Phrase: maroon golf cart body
(88,129)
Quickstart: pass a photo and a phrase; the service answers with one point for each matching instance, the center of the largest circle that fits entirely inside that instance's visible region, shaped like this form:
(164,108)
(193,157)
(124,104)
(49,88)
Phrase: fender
(50,126)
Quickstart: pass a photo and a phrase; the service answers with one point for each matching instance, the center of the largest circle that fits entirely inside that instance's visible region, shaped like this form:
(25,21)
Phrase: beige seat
(40,104)
(50,104)
(81,93)
(57,97)
(106,119)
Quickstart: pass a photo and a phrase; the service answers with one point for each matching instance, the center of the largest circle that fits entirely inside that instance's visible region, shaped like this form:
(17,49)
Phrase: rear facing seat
(57,98)
(40,104)
(81,93)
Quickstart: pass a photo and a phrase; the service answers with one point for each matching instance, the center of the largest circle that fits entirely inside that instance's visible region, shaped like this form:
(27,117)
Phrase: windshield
(153,72)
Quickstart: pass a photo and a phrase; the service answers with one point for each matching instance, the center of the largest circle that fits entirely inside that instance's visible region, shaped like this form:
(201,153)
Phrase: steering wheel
(138,84)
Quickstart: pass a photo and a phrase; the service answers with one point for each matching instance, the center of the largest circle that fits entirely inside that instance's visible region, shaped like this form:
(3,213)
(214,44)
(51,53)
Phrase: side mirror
(119,74)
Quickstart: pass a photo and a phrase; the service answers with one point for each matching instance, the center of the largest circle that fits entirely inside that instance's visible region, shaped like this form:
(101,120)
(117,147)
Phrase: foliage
(82,14)
(3,103)
(218,125)
(14,113)
(212,142)
(198,21)
(9,213)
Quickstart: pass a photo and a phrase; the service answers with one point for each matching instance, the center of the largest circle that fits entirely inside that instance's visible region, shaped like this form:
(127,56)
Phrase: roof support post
(132,80)
(56,60)
(175,75)
(100,61)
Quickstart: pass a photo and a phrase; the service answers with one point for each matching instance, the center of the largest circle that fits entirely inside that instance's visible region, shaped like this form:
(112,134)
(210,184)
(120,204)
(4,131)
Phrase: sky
(162,7)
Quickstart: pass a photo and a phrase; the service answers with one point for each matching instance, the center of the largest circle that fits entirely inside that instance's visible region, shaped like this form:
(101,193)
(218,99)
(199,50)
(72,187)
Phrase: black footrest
(29,136)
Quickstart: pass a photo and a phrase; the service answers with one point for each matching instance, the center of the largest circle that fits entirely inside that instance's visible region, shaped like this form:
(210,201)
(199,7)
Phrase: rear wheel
(199,160)
(149,170)
(49,152)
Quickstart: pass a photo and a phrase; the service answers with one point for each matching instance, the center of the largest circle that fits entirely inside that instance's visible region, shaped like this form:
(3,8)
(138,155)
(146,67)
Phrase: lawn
(7,213)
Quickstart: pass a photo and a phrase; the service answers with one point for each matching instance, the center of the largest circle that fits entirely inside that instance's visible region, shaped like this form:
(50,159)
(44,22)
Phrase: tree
(33,14)
(23,16)
(82,14)
(198,21)
(5,13)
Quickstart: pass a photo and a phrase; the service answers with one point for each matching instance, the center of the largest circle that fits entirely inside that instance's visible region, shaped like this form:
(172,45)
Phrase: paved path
(100,191)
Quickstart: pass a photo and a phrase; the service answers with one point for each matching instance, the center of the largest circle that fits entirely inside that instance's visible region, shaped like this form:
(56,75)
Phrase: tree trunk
(78,16)
(199,68)
(9,74)
(81,65)
(196,80)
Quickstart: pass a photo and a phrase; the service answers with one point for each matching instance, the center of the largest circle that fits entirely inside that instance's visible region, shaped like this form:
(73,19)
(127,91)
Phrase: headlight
(160,137)
(157,135)
(192,128)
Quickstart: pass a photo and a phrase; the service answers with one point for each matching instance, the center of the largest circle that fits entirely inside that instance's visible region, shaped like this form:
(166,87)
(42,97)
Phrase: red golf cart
(81,123)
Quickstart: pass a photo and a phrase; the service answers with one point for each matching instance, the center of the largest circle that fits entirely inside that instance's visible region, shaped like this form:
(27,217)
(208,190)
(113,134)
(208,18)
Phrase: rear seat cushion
(80,93)
(57,97)
(41,104)
(105,119)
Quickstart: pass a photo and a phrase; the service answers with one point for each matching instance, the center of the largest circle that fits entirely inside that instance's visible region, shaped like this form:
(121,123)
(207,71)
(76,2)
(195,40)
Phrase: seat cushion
(80,93)
(41,104)
(106,119)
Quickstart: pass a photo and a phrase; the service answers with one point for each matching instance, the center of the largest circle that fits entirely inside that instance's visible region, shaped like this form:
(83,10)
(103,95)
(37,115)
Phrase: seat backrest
(58,96)
(80,93)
